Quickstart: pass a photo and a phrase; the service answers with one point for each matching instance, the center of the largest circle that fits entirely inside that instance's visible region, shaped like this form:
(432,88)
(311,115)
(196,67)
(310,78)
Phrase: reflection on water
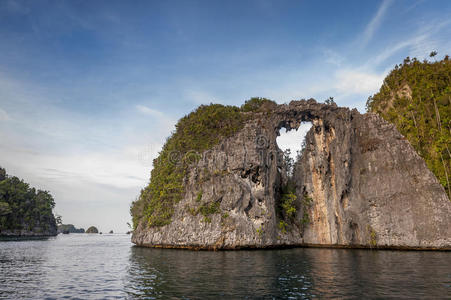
(108,266)
(291,273)
(202,274)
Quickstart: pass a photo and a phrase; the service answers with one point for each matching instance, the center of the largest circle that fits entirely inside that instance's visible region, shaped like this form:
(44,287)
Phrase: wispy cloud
(78,157)
(419,44)
(375,23)
(149,111)
(414,5)
(84,183)
(434,36)
(158,118)
(4,115)
(358,82)
(393,49)
(333,58)
(14,6)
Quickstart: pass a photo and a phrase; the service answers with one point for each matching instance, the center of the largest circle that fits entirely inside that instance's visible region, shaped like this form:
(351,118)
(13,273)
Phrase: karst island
(221,182)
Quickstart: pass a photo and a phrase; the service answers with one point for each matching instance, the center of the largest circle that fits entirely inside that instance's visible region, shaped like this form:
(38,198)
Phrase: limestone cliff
(358,183)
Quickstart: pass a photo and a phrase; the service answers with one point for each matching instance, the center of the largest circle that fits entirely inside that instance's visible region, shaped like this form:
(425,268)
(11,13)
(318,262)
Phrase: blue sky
(89,90)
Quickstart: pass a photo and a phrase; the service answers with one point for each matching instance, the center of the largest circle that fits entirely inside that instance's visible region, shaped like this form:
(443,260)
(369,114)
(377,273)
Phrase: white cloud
(4,116)
(358,82)
(333,57)
(84,184)
(149,111)
(374,24)
(412,6)
(393,49)
(160,120)
(89,163)
(293,139)
(118,169)
(419,45)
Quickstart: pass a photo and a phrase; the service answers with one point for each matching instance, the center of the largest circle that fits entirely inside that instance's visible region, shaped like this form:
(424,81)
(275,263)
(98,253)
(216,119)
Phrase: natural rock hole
(292,142)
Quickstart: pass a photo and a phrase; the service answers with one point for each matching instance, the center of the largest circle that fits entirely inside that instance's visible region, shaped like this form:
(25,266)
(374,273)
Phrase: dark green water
(85,266)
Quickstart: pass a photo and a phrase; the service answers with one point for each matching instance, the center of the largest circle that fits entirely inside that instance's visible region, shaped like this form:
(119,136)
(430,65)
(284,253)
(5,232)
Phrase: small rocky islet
(92,229)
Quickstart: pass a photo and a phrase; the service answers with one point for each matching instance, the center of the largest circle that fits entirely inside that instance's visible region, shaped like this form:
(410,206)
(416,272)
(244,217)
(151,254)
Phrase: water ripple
(81,266)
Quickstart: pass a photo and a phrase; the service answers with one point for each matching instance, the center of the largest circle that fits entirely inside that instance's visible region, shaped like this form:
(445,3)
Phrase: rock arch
(359,183)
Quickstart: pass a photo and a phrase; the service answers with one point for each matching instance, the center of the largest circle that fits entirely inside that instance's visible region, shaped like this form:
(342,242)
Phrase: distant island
(69,228)
(24,210)
(92,229)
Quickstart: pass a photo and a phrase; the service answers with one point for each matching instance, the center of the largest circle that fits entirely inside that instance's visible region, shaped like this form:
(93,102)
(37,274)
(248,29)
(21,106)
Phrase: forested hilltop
(24,211)
(416,97)
(196,132)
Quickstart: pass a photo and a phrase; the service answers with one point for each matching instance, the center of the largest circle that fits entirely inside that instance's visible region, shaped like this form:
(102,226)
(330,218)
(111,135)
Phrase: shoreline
(7,238)
(276,247)
(25,235)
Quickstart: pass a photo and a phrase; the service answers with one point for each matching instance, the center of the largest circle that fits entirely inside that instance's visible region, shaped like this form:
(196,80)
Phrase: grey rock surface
(367,185)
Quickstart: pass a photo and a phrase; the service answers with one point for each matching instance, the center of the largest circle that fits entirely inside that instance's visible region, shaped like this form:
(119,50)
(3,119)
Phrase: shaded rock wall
(368,188)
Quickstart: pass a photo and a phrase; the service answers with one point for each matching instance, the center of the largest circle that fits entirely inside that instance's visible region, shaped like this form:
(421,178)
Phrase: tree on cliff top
(416,97)
(257,104)
(2,174)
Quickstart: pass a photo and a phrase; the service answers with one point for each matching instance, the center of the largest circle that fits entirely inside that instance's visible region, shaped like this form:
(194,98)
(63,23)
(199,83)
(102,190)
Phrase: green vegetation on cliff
(286,207)
(416,97)
(200,130)
(24,208)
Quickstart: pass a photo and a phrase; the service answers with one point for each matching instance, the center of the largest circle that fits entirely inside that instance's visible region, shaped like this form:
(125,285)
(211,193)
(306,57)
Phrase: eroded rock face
(359,183)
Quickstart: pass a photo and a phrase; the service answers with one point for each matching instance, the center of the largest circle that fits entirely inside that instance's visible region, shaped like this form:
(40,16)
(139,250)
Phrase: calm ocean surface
(86,266)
